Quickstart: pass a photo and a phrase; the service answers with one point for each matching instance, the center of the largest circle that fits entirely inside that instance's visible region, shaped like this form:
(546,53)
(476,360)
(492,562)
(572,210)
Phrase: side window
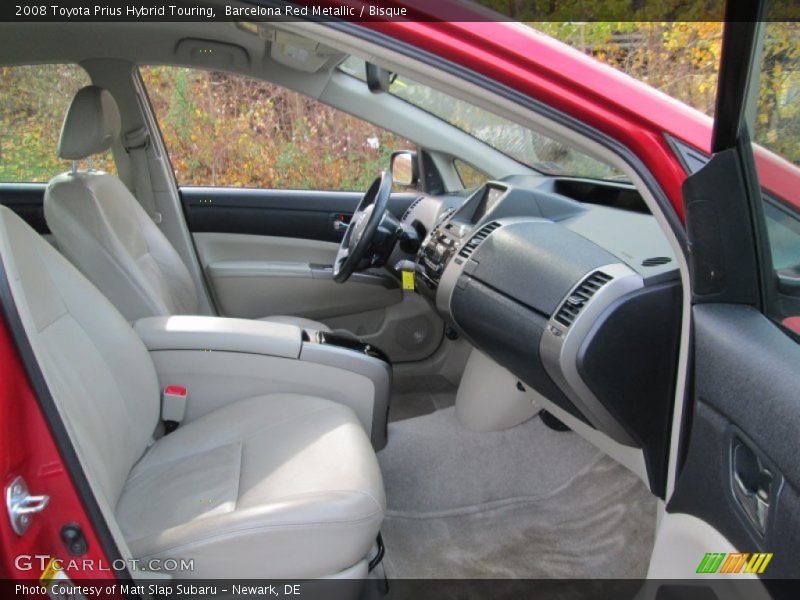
(783,228)
(777,135)
(33,101)
(233,131)
(469,175)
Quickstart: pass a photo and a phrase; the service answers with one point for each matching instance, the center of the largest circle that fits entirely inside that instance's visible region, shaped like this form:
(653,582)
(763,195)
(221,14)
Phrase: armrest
(217,333)
(258,268)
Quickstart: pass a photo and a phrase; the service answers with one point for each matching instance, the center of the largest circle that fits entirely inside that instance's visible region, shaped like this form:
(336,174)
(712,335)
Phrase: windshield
(515,141)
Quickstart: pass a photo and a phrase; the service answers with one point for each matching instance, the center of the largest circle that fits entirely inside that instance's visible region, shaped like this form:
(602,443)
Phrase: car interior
(426,379)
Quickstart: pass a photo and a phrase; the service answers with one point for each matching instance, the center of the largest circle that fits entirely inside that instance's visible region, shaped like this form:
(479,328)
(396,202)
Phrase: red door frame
(29,450)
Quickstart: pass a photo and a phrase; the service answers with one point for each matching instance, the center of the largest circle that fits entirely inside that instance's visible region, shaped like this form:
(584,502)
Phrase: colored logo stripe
(711,562)
(721,562)
(734,563)
(758,563)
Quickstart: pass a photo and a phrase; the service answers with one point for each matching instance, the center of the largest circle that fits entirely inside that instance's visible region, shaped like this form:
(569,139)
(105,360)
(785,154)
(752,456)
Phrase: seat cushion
(276,486)
(300,322)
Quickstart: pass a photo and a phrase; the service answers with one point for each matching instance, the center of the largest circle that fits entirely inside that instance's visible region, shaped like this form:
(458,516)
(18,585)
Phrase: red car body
(637,116)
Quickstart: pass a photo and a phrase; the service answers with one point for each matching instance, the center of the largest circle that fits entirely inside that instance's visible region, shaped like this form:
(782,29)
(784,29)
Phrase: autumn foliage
(682,60)
(229,130)
(33,100)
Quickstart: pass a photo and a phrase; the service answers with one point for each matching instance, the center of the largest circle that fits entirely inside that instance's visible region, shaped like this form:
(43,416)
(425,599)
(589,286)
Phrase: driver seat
(102,229)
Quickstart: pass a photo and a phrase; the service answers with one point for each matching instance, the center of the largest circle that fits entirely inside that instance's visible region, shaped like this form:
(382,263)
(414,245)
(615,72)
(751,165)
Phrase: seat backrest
(103,230)
(98,370)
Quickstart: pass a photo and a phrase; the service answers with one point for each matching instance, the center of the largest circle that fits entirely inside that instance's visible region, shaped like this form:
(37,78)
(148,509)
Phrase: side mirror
(404,168)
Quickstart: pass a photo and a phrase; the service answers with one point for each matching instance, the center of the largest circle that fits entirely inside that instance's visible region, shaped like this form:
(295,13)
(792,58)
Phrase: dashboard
(579,299)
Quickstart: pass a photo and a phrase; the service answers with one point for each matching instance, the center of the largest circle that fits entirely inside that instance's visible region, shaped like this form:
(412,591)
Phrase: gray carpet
(433,464)
(528,502)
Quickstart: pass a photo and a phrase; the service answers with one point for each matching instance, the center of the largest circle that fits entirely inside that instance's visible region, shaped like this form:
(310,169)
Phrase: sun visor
(301,53)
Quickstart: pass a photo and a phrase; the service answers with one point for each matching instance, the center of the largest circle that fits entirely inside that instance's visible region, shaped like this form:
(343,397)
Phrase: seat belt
(136,143)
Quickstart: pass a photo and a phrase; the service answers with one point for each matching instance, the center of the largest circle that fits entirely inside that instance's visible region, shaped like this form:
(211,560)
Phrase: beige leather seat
(106,233)
(273,486)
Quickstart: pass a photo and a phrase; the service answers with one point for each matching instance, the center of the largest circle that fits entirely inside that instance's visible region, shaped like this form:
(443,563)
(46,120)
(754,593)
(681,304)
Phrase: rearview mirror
(404,168)
(378,79)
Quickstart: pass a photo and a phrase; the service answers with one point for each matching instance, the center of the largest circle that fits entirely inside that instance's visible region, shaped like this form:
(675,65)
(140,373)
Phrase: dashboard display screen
(491,196)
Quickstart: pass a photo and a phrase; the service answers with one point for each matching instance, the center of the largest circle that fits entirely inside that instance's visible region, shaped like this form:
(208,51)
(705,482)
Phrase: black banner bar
(401,589)
(379,10)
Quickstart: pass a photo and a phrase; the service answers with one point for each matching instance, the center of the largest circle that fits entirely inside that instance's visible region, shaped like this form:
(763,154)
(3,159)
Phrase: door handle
(340,222)
(753,485)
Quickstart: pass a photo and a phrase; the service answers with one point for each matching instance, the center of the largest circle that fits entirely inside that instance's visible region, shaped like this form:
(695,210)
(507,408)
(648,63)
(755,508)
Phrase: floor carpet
(528,502)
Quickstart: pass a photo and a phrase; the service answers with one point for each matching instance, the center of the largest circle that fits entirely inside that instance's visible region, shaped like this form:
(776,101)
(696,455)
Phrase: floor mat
(527,502)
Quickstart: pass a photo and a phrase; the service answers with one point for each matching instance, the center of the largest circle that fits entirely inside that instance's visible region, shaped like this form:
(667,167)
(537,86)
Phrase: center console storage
(220,360)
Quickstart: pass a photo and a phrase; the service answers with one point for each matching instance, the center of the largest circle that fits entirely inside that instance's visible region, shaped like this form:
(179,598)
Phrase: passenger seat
(275,486)
(106,233)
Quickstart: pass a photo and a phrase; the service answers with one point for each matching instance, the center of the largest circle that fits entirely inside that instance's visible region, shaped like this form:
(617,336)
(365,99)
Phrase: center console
(449,238)
(220,360)
(437,250)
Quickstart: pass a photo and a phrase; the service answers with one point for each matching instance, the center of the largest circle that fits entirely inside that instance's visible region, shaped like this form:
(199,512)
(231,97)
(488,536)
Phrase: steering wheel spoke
(359,239)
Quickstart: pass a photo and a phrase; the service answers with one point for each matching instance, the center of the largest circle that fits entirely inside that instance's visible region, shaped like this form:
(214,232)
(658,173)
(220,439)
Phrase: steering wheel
(360,234)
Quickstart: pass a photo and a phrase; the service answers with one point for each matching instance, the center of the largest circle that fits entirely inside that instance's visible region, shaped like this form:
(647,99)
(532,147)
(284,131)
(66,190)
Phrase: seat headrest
(91,125)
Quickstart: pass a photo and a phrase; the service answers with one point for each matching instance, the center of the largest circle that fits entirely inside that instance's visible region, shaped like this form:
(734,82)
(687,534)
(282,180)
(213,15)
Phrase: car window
(469,175)
(524,145)
(33,101)
(776,129)
(234,131)
(783,228)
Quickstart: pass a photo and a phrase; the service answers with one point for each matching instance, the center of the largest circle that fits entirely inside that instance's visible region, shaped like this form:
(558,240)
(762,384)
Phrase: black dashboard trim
(634,375)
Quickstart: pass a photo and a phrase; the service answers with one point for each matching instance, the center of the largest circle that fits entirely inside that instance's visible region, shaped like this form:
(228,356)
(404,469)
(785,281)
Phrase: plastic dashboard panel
(508,288)
(535,262)
(613,367)
(509,332)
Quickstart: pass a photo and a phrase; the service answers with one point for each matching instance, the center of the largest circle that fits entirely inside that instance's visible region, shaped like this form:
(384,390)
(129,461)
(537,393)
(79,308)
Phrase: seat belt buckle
(173,406)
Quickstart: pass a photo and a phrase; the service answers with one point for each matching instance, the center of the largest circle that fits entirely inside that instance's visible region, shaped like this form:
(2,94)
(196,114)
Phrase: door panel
(215,251)
(309,215)
(221,247)
(255,276)
(264,252)
(744,433)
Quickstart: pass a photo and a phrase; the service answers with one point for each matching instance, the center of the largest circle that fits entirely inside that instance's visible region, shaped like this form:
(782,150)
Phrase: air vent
(475,241)
(410,208)
(656,261)
(573,305)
